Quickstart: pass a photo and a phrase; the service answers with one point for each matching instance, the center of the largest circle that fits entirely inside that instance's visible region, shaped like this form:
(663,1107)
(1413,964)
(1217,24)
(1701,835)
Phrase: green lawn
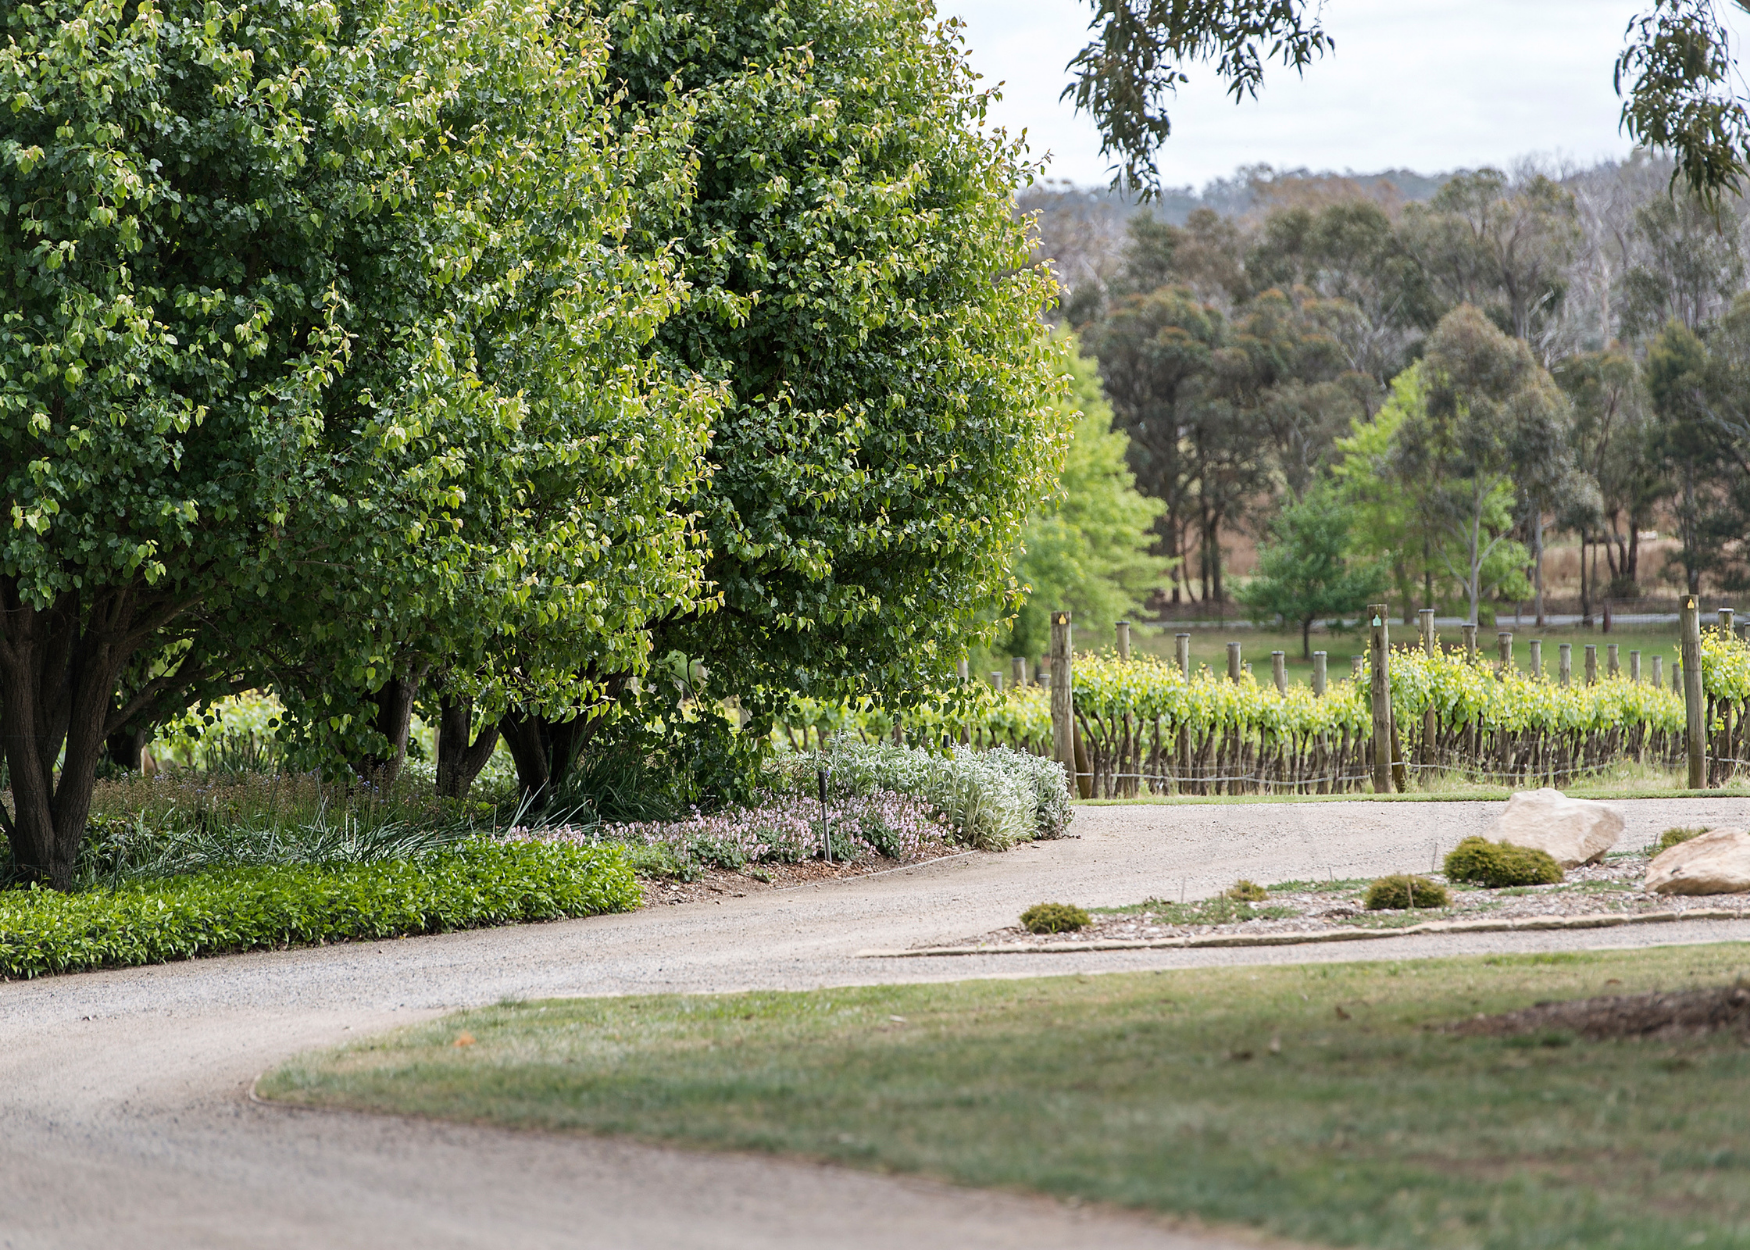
(1209,646)
(1318,1102)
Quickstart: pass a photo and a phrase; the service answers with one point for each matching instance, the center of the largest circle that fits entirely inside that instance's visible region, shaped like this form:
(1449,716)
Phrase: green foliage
(1498,864)
(1244,891)
(1053,918)
(864,298)
(1089,549)
(470,885)
(406,391)
(1403,891)
(1677,836)
(1305,573)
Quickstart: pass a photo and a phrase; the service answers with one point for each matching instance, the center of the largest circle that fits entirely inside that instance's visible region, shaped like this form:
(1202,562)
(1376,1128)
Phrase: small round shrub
(1053,918)
(1671,837)
(1498,864)
(1244,891)
(1403,891)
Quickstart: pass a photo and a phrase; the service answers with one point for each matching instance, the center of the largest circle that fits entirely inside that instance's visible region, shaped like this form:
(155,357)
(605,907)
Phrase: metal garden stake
(825,831)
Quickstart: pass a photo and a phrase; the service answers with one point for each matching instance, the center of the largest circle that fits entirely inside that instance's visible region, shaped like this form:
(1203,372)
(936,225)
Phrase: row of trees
(1253,359)
(467,357)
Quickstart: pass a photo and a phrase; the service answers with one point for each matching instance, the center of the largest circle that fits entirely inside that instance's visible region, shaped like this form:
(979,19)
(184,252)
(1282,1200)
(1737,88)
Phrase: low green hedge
(469,885)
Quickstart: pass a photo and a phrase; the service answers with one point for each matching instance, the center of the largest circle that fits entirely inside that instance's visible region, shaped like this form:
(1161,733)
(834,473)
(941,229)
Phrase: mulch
(1660,1014)
(720,883)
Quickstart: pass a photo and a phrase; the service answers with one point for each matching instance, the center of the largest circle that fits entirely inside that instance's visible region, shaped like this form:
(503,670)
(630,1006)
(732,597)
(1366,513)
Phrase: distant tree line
(1519,354)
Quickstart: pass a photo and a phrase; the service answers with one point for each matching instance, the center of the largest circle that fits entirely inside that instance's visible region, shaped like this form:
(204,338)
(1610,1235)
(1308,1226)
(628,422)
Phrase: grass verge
(469,885)
(1317,1102)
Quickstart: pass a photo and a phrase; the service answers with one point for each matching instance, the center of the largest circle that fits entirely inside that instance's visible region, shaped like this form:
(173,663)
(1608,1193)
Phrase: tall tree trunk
(58,672)
(1537,560)
(544,750)
(461,755)
(1585,587)
(127,746)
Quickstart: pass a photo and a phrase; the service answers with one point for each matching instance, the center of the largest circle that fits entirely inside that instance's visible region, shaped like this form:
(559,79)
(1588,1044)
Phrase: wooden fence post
(1469,630)
(1017,672)
(1658,675)
(1591,664)
(1379,665)
(1063,710)
(1318,680)
(1182,653)
(996,681)
(1634,667)
(1279,671)
(1504,639)
(1565,664)
(1611,666)
(1726,615)
(1355,662)
(964,669)
(1430,721)
(1537,659)
(1233,661)
(1694,707)
(1123,632)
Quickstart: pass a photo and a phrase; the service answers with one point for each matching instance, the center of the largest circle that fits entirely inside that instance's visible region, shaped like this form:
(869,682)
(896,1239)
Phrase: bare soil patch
(1679,1013)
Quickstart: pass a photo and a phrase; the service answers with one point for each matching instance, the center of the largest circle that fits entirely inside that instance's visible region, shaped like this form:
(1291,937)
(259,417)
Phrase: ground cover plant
(1403,891)
(1498,864)
(1329,1103)
(1053,918)
(472,883)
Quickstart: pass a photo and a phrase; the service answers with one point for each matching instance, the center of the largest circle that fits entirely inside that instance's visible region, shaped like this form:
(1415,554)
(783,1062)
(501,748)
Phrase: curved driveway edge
(123,1094)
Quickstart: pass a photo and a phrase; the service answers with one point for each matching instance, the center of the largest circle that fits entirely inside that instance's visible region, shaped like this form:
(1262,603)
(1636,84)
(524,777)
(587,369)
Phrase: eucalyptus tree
(1490,412)
(282,289)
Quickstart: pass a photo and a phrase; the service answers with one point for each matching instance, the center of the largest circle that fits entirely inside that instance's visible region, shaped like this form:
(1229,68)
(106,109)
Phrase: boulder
(1716,862)
(1572,831)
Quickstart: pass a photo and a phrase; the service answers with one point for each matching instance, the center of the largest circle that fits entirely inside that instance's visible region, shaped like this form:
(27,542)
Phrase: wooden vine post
(1565,664)
(1430,720)
(1318,677)
(1123,639)
(1063,708)
(1379,662)
(1694,709)
(1279,671)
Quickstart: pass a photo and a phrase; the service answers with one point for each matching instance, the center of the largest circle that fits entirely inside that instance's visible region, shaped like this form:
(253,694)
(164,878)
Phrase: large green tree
(861,295)
(308,312)
(1087,548)
(1308,570)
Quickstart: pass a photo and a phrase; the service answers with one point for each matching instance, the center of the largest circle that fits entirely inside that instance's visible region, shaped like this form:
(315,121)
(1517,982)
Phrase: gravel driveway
(127,1121)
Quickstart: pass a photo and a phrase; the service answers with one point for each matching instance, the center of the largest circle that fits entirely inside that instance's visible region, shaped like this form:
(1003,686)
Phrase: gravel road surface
(124,1096)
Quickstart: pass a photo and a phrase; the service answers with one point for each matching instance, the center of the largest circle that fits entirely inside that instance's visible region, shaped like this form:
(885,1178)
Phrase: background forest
(1416,385)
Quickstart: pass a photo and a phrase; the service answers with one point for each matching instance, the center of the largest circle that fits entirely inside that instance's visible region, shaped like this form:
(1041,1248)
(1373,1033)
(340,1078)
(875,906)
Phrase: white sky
(1427,85)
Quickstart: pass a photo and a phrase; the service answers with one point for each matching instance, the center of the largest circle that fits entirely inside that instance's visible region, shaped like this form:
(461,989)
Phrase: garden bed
(1320,910)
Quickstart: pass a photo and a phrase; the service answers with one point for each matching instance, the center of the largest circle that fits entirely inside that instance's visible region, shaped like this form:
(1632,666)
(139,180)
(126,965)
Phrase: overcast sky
(1427,85)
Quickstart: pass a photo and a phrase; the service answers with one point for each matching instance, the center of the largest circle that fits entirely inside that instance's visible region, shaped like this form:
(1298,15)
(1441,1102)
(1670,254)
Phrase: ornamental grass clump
(1403,891)
(1673,837)
(1053,918)
(1245,891)
(1498,864)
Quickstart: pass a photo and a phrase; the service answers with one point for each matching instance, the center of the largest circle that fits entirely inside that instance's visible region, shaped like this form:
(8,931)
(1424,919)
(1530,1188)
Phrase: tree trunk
(394,719)
(58,672)
(460,755)
(1585,588)
(127,746)
(1537,560)
(544,751)
(1306,639)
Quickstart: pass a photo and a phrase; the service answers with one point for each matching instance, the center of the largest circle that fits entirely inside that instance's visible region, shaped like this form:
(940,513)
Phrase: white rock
(1573,831)
(1716,862)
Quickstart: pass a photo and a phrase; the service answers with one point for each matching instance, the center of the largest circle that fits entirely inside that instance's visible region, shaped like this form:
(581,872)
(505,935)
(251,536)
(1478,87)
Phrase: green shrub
(1053,918)
(1403,891)
(469,885)
(1497,864)
(1244,891)
(1671,837)
(990,799)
